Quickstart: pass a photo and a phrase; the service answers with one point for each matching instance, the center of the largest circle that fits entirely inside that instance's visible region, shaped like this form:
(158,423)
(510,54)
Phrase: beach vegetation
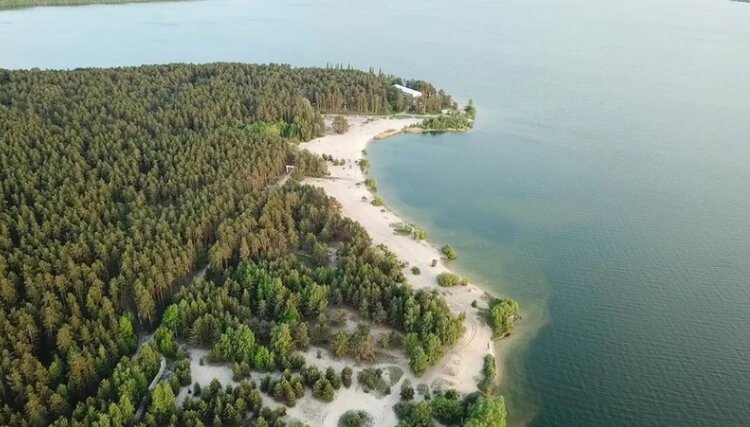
(340,345)
(377,201)
(448,280)
(448,408)
(323,390)
(485,411)
(355,419)
(414,414)
(371,184)
(416,271)
(360,344)
(338,317)
(489,374)
(407,229)
(346,376)
(407,392)
(340,124)
(333,377)
(371,379)
(286,389)
(390,339)
(364,165)
(502,315)
(419,234)
(448,252)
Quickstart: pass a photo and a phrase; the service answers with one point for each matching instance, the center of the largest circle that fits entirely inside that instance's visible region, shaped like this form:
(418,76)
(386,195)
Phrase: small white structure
(408,91)
(289,168)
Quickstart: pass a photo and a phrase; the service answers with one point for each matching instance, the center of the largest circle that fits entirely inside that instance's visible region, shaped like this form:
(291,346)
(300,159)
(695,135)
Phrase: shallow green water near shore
(605,186)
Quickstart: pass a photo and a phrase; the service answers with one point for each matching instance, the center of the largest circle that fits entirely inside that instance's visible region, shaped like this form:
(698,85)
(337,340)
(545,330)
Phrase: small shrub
(489,374)
(416,271)
(407,392)
(371,184)
(354,419)
(346,376)
(449,280)
(370,379)
(340,124)
(419,234)
(364,165)
(449,252)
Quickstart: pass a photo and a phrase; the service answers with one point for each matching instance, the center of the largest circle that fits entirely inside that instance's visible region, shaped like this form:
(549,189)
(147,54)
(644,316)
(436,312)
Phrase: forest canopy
(118,185)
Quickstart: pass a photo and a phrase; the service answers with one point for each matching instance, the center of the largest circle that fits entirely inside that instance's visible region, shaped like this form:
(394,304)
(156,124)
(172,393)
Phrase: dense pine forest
(118,185)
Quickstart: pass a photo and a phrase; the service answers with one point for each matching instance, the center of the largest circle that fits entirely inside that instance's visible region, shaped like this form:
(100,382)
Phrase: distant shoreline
(20,4)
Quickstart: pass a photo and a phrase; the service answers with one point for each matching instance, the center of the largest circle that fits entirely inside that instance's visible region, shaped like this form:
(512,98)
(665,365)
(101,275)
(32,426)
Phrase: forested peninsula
(146,210)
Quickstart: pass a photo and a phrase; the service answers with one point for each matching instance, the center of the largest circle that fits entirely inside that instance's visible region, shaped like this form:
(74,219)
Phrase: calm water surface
(606,186)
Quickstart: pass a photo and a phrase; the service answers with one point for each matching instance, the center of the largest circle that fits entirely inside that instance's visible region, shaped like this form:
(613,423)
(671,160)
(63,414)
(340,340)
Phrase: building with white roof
(408,91)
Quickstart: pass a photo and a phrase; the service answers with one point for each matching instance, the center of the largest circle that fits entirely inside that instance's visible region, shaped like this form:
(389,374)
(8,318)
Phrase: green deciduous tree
(162,402)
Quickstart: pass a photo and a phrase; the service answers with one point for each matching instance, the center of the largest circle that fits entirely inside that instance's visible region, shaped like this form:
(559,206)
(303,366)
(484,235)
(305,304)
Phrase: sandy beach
(461,366)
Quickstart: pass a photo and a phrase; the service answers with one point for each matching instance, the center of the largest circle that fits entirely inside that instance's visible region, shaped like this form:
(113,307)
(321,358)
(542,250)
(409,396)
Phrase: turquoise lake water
(606,185)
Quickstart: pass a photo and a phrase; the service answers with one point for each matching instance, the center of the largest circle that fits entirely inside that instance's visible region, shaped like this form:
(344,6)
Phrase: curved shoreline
(461,366)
